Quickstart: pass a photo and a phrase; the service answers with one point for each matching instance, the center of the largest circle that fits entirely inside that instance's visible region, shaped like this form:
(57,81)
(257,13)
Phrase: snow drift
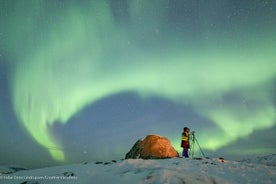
(175,170)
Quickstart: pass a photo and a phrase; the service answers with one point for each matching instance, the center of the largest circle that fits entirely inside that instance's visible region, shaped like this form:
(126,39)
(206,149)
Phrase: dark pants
(185,153)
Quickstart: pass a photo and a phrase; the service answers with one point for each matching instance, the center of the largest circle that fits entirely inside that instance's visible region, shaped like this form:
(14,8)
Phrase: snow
(138,171)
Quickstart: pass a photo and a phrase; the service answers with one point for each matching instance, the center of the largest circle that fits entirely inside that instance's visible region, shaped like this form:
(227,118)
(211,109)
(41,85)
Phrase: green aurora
(69,55)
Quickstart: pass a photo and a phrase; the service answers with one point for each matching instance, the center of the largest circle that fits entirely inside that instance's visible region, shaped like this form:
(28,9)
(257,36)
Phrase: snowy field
(176,170)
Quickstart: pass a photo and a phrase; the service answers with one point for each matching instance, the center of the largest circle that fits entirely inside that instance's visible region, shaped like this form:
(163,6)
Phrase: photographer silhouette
(185,142)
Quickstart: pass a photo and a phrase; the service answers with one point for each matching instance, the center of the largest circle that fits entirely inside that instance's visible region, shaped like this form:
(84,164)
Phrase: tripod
(194,139)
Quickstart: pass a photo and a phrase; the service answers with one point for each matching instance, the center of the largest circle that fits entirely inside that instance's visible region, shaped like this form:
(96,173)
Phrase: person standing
(185,143)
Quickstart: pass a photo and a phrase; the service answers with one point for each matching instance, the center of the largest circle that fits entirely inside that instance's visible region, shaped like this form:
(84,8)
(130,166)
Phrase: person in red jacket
(185,143)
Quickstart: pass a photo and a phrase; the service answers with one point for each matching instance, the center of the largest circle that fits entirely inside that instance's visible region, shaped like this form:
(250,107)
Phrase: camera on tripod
(194,140)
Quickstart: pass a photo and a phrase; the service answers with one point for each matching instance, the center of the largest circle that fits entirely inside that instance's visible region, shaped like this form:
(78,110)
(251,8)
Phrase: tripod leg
(200,148)
(193,146)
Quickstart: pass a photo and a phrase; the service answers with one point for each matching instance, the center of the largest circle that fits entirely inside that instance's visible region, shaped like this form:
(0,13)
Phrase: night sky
(84,80)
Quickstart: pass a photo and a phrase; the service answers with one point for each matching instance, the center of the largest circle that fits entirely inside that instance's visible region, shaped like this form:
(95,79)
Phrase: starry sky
(84,80)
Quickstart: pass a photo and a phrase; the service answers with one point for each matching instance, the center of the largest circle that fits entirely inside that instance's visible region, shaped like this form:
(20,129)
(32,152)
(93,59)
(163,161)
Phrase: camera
(192,132)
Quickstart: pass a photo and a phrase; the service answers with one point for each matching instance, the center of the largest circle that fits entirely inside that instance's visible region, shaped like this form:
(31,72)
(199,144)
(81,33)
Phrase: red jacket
(185,140)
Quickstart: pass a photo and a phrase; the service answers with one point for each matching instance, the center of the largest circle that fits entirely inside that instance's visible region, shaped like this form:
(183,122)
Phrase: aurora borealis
(86,79)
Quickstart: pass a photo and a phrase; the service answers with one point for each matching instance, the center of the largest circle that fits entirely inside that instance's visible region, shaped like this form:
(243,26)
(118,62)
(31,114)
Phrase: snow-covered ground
(176,170)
